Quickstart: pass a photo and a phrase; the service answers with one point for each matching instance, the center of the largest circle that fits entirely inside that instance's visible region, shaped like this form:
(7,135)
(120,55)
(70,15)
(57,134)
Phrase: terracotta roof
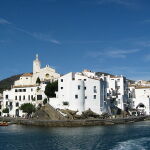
(112,76)
(131,85)
(22,86)
(27,75)
(142,87)
(86,70)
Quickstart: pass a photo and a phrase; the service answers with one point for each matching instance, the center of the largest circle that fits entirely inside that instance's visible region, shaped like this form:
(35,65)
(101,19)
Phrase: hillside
(100,73)
(6,83)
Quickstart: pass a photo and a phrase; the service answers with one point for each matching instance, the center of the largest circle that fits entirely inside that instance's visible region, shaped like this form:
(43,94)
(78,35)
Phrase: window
(84,88)
(16,90)
(19,98)
(79,87)
(31,90)
(24,90)
(47,75)
(24,97)
(32,97)
(61,80)
(61,88)
(10,103)
(17,104)
(94,96)
(39,97)
(20,90)
(6,103)
(76,96)
(6,96)
(95,91)
(84,79)
(65,103)
(28,97)
(15,97)
(26,78)
(85,97)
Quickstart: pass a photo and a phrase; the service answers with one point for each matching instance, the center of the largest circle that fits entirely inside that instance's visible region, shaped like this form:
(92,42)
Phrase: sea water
(135,136)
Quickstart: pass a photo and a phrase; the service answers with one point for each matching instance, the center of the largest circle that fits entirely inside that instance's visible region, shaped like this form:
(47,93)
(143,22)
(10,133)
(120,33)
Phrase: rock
(47,112)
(88,113)
(70,113)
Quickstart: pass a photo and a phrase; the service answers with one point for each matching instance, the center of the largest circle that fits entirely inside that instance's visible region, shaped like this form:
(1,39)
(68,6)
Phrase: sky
(110,36)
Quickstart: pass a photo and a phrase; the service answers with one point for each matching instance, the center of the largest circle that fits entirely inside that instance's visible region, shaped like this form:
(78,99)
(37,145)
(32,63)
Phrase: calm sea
(118,137)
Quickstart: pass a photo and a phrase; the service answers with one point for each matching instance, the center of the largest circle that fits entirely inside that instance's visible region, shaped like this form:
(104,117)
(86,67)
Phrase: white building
(80,92)
(117,89)
(76,91)
(45,74)
(140,98)
(26,90)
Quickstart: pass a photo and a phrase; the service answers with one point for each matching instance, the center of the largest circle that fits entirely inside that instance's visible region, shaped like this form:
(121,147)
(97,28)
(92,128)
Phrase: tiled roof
(142,87)
(27,75)
(22,86)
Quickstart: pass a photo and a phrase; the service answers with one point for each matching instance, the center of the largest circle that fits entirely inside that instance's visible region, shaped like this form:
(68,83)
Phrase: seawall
(73,123)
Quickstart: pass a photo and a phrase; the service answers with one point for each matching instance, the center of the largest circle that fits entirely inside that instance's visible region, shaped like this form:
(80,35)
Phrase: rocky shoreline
(74,123)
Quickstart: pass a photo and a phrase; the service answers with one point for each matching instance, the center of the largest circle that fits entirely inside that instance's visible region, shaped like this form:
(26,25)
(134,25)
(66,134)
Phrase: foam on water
(137,144)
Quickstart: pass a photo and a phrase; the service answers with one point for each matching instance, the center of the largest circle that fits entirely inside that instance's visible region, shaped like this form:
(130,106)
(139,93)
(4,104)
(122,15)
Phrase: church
(45,74)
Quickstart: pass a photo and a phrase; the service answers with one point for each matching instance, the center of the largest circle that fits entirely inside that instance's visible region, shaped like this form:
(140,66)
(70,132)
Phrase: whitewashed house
(80,92)
(117,89)
(86,90)
(140,98)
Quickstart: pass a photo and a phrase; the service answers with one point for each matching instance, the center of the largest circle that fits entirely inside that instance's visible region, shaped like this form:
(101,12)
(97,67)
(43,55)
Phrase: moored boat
(3,124)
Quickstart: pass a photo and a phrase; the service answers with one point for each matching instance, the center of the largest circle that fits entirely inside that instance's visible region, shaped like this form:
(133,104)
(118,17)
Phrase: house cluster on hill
(78,91)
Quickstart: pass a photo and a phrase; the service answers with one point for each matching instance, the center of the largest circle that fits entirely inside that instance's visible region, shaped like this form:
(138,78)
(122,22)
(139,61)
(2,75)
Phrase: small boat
(3,124)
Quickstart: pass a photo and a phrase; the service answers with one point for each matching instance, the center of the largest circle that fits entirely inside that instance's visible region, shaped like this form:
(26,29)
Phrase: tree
(50,89)
(28,108)
(38,81)
(6,110)
(45,101)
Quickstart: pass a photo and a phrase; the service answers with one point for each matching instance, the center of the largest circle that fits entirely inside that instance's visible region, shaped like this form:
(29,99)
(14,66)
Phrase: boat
(3,124)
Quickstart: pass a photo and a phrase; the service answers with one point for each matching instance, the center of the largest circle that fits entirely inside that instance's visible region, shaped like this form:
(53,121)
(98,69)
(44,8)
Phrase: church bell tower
(36,65)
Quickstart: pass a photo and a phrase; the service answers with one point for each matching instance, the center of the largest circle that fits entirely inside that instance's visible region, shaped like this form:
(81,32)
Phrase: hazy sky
(102,35)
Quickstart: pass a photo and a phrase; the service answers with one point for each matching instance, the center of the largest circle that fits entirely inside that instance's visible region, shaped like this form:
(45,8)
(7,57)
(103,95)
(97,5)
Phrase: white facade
(26,90)
(79,93)
(140,98)
(117,88)
(17,96)
(83,91)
